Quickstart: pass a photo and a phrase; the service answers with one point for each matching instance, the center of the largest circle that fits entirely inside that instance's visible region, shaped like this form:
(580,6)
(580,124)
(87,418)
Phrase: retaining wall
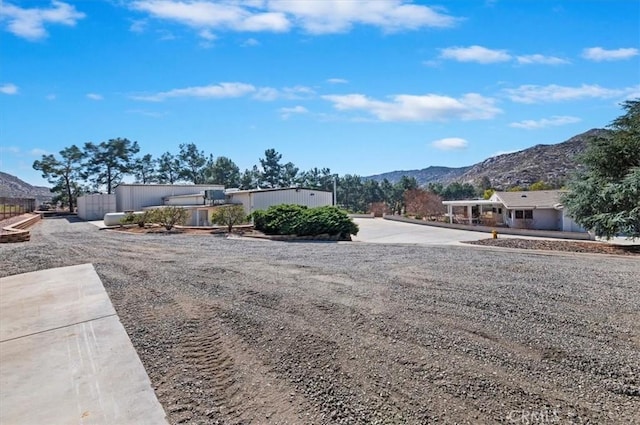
(19,232)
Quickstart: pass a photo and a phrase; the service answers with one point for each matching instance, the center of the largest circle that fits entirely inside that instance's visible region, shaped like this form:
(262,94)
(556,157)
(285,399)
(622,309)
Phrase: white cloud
(9,89)
(599,54)
(30,23)
(477,54)
(94,96)
(498,153)
(38,152)
(285,113)
(10,149)
(318,17)
(152,114)
(545,122)
(138,26)
(251,42)
(298,92)
(213,91)
(227,15)
(337,81)
(541,59)
(556,93)
(429,107)
(207,35)
(266,94)
(450,143)
(334,16)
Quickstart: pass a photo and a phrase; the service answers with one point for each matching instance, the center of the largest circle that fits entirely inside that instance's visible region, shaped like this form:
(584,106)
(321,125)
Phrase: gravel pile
(247,331)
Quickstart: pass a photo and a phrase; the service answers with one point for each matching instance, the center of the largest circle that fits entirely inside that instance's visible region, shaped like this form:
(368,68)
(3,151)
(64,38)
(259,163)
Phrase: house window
(524,214)
(499,210)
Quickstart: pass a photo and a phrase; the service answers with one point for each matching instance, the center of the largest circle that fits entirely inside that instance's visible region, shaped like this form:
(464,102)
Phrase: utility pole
(335,193)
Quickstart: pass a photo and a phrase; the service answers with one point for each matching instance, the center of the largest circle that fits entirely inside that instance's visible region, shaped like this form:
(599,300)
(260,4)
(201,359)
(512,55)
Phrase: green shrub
(303,221)
(329,220)
(278,219)
(168,216)
(229,215)
(139,219)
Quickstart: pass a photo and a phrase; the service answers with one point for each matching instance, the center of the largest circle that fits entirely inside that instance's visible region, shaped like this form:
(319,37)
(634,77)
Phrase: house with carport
(536,210)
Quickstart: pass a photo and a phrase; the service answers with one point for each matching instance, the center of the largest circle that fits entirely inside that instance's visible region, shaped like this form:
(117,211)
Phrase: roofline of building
(464,202)
(274,190)
(169,185)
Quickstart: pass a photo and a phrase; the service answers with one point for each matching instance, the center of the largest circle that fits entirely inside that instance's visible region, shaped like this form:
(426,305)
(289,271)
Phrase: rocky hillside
(425,176)
(549,163)
(13,187)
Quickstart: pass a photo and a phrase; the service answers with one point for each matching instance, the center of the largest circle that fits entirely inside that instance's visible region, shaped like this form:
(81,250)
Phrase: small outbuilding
(95,206)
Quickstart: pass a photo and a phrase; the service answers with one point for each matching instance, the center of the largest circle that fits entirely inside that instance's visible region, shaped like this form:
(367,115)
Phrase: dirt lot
(247,331)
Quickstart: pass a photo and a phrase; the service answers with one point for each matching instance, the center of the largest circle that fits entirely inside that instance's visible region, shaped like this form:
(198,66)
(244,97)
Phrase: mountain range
(13,187)
(551,164)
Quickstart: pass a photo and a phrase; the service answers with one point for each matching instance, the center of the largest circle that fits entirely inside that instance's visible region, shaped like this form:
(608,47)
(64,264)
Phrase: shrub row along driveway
(237,331)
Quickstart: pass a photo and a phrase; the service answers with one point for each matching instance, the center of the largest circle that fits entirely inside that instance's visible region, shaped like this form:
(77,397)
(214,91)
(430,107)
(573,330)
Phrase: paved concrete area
(64,355)
(379,230)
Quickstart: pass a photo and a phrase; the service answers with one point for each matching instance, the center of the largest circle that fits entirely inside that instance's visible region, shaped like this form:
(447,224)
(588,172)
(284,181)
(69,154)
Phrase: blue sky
(361,87)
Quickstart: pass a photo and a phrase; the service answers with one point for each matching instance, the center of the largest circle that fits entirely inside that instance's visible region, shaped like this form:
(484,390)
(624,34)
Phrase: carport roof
(472,202)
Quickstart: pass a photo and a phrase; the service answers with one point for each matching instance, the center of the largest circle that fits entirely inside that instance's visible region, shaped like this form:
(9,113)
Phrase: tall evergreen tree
(168,168)
(271,174)
(224,171)
(63,173)
(108,162)
(144,169)
(192,163)
(605,196)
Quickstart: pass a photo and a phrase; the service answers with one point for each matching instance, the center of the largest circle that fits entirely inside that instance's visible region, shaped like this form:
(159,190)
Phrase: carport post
(450,212)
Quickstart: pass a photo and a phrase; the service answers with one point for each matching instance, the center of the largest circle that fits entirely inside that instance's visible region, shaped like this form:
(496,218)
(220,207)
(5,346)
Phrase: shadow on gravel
(69,218)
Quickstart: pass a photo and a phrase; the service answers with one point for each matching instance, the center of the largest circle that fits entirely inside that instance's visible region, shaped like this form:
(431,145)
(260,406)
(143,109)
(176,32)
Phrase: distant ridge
(549,163)
(13,187)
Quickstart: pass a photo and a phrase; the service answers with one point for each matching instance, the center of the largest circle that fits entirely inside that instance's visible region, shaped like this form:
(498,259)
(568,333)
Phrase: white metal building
(94,207)
(135,197)
(261,199)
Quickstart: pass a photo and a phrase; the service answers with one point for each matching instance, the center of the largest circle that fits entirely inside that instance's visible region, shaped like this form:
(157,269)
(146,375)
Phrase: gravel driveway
(234,331)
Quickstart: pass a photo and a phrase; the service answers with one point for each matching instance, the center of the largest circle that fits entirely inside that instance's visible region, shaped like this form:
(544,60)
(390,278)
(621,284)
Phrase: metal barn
(261,199)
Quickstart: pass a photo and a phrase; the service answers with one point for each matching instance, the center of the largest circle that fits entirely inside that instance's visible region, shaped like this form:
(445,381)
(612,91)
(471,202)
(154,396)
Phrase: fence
(10,207)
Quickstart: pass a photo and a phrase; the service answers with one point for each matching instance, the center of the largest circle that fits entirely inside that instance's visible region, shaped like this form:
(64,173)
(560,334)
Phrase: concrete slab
(64,355)
(378,230)
(99,224)
(39,301)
